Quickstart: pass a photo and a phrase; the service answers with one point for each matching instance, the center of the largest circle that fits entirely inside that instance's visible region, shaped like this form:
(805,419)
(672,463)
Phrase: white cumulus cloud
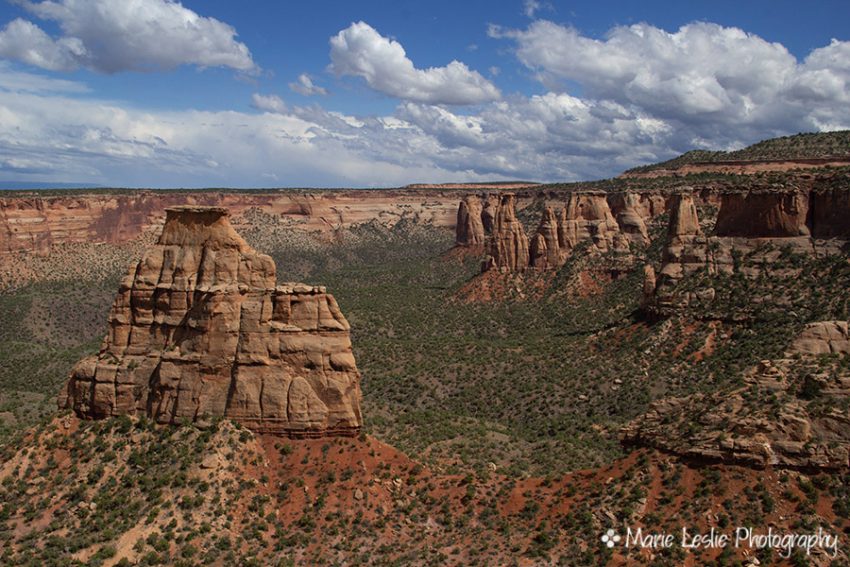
(109,37)
(359,50)
(643,94)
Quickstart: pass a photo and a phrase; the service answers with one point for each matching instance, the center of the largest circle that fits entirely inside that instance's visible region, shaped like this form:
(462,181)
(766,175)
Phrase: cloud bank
(640,94)
(707,81)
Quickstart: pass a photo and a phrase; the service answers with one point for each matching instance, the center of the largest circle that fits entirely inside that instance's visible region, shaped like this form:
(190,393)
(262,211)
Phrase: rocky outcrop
(829,212)
(790,412)
(754,229)
(508,244)
(470,228)
(545,251)
(650,280)
(683,218)
(587,216)
(488,213)
(200,329)
(823,337)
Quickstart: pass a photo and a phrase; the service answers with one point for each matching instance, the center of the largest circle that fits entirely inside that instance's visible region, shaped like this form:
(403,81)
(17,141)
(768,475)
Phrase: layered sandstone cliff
(31,222)
(199,329)
(763,214)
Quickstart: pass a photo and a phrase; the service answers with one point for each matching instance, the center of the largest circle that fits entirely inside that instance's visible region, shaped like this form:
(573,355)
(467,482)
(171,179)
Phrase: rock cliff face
(30,223)
(758,225)
(788,413)
(508,243)
(763,214)
(470,227)
(829,212)
(199,329)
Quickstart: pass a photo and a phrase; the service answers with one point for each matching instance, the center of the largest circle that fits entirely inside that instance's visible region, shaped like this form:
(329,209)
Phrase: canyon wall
(810,214)
(35,223)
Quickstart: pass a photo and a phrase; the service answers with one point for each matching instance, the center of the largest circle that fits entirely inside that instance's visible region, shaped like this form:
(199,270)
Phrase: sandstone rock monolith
(470,228)
(630,221)
(683,251)
(200,329)
(508,243)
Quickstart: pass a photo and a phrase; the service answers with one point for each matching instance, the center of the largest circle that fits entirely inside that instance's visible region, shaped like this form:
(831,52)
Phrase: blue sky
(257,94)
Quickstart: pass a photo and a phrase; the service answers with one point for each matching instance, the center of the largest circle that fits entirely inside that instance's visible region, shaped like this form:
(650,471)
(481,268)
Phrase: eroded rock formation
(754,229)
(587,216)
(545,251)
(685,249)
(470,227)
(630,221)
(488,213)
(788,413)
(823,337)
(199,329)
(508,243)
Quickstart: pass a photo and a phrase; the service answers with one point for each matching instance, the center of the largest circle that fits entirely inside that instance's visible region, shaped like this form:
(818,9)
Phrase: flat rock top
(196,225)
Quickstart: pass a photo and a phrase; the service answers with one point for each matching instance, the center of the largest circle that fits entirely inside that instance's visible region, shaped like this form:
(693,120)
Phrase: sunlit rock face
(508,243)
(199,329)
